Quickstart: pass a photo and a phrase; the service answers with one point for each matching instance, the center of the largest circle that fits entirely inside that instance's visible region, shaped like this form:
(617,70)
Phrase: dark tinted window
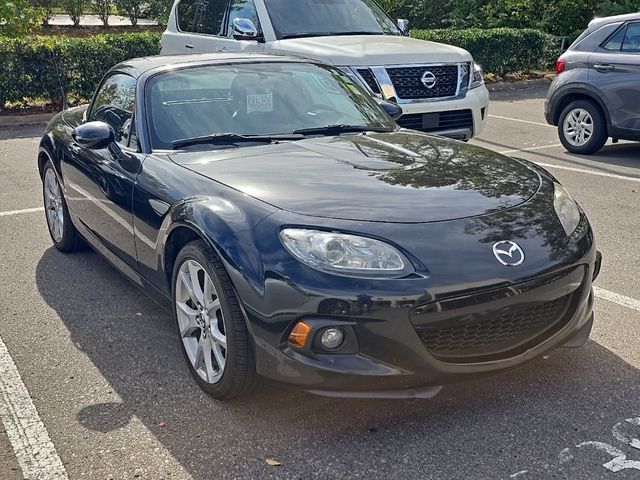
(292,18)
(615,42)
(632,39)
(114,104)
(202,16)
(242,9)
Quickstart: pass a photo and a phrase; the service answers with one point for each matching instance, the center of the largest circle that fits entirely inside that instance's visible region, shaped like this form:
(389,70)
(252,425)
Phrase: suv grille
(470,338)
(408,81)
(367,76)
(434,122)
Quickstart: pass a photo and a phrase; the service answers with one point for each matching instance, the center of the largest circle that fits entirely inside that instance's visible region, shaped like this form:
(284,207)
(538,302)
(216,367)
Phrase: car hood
(401,177)
(366,50)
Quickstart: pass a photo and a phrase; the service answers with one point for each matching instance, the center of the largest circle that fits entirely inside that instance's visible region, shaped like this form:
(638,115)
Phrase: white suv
(439,87)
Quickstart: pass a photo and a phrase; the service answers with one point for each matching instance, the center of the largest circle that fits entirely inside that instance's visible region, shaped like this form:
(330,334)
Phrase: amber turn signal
(299,334)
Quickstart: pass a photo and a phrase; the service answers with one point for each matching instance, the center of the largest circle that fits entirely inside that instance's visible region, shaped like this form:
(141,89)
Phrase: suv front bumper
(461,119)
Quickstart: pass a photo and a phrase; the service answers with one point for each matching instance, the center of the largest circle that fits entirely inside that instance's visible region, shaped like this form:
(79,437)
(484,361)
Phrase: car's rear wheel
(582,127)
(211,325)
(63,233)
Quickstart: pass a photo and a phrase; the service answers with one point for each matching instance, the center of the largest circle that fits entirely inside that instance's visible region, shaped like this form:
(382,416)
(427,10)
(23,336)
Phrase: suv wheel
(582,128)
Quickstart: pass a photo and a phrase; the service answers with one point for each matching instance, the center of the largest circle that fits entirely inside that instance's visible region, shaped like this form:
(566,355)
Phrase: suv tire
(582,128)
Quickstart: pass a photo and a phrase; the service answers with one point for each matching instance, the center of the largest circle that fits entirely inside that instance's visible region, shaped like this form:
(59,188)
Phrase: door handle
(604,68)
(189,46)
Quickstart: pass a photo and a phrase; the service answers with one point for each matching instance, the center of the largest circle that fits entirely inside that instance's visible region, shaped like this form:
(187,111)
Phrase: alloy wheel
(201,321)
(54,205)
(578,127)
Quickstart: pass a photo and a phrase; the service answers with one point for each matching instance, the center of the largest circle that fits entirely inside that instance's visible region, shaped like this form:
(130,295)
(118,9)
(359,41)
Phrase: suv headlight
(345,254)
(567,209)
(477,77)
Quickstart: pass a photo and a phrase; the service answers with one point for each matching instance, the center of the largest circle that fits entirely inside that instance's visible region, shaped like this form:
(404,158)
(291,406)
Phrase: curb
(519,85)
(25,120)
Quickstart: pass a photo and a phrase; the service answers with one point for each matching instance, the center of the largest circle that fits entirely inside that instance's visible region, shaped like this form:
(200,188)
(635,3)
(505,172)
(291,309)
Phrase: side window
(202,16)
(615,43)
(631,43)
(114,104)
(242,9)
(186,14)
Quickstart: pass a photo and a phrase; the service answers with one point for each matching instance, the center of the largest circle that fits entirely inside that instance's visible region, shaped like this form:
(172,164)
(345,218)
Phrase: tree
(103,9)
(160,11)
(18,17)
(46,6)
(75,10)
(132,9)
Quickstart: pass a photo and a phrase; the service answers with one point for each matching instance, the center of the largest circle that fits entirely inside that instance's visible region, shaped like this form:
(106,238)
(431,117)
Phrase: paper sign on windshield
(260,102)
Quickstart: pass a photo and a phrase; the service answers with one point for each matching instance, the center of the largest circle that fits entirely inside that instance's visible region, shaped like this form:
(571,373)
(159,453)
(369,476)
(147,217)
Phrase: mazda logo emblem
(508,253)
(429,80)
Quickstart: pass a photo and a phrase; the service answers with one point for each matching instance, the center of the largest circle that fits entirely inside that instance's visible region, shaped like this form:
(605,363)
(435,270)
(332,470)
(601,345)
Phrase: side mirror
(94,135)
(393,109)
(244,29)
(403,25)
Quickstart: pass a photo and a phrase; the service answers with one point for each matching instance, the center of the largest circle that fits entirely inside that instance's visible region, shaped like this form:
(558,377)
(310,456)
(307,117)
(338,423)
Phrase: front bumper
(394,361)
(461,119)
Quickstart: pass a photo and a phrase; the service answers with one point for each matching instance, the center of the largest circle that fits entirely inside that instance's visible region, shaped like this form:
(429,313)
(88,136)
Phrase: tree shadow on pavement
(490,428)
(14,133)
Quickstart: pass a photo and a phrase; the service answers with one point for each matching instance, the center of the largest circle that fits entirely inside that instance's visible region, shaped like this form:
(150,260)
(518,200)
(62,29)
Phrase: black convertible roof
(139,66)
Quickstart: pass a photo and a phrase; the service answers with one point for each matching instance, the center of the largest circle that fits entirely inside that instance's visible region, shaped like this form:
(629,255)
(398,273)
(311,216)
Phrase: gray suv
(597,92)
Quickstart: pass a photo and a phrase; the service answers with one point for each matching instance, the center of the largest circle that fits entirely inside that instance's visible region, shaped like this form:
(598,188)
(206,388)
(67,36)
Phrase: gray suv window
(627,39)
(631,42)
(202,16)
(242,9)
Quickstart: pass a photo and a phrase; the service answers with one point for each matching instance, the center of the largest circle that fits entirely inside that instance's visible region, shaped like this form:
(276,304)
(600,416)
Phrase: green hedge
(500,50)
(34,67)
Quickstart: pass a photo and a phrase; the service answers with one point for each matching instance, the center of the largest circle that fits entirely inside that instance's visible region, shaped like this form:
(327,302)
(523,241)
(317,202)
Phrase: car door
(614,69)
(100,181)
(203,26)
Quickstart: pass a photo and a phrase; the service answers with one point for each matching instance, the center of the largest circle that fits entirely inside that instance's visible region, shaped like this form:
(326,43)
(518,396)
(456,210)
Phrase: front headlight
(477,77)
(567,209)
(344,254)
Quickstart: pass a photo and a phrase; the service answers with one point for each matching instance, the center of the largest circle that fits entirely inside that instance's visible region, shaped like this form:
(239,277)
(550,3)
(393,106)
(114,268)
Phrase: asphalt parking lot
(102,365)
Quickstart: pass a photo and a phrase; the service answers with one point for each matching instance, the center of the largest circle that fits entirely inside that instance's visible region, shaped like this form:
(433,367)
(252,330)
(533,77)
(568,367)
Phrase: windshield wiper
(338,129)
(231,138)
(326,34)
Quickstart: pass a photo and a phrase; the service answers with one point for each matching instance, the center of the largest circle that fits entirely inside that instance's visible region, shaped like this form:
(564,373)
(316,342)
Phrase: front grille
(434,122)
(474,337)
(408,81)
(367,76)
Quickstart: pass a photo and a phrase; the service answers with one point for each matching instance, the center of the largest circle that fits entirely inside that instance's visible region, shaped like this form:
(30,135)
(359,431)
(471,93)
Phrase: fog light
(332,338)
(299,334)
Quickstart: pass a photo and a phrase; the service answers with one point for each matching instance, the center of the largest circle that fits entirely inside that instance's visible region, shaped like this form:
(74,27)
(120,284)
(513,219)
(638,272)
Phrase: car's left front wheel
(215,338)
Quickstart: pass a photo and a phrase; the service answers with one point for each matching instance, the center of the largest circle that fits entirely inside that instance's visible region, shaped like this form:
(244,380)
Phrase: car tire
(205,314)
(582,128)
(63,232)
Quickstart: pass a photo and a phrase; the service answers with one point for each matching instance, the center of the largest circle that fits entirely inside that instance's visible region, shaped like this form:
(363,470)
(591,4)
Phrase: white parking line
(530,149)
(590,172)
(33,448)
(21,212)
(523,121)
(617,298)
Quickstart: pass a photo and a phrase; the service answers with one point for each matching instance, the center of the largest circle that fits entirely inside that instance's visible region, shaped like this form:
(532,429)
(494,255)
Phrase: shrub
(18,17)
(500,50)
(38,66)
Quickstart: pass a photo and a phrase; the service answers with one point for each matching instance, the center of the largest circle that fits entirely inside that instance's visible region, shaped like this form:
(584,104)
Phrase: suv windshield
(316,18)
(222,103)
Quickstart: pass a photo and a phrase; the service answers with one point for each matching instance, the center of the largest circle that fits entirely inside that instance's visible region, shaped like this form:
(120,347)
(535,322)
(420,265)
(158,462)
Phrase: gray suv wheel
(582,127)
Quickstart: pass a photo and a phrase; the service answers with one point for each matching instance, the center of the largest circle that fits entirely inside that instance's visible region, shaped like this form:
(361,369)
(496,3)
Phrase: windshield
(315,18)
(255,99)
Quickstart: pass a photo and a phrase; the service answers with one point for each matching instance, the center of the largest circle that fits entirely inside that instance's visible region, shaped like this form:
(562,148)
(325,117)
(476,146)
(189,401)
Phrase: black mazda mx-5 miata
(299,235)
